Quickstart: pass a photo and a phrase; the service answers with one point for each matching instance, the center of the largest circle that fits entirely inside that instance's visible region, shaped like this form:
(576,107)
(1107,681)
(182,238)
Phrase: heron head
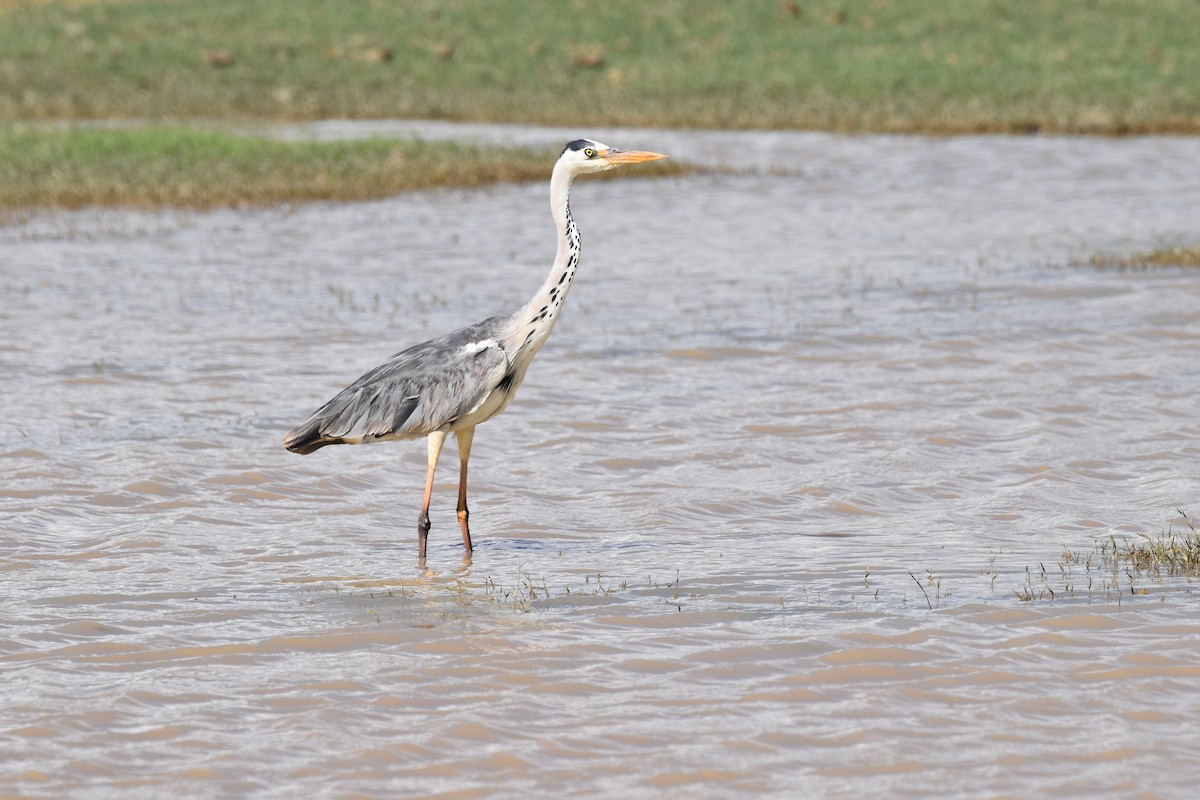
(585,155)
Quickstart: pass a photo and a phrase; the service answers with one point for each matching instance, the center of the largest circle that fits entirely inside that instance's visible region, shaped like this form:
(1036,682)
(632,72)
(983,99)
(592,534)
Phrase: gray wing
(413,393)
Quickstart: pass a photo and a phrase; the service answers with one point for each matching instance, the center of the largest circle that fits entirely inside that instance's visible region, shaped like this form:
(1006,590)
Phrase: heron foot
(463,516)
(422,534)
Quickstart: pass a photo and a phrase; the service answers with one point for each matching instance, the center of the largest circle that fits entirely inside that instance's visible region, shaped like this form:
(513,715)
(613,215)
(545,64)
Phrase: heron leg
(436,440)
(464,437)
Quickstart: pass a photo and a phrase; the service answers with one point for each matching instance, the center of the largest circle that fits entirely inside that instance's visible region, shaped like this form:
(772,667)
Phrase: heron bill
(617,156)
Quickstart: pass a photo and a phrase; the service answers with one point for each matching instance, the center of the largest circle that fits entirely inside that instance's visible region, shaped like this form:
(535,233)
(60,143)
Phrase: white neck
(533,324)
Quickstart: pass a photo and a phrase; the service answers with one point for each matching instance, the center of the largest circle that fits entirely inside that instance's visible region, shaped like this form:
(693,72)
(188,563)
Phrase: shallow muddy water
(761,520)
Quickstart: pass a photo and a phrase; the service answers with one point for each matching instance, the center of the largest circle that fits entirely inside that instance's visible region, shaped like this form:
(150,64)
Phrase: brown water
(780,399)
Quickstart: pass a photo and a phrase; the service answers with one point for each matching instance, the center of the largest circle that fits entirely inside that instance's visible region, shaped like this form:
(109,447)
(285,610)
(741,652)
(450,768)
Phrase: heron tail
(307,438)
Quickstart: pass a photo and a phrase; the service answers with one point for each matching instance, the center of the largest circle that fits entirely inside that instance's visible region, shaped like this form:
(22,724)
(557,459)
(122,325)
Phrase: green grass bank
(146,168)
(1090,66)
(156,166)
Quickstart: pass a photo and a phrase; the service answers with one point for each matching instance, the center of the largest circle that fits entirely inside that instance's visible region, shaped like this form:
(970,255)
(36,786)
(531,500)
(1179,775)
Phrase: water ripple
(760,519)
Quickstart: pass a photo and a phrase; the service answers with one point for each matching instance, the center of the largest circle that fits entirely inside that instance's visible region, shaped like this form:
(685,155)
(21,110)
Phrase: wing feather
(413,393)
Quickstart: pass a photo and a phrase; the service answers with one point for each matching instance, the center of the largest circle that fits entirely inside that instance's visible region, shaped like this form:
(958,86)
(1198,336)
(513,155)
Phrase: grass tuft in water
(1117,567)
(1181,256)
(1172,554)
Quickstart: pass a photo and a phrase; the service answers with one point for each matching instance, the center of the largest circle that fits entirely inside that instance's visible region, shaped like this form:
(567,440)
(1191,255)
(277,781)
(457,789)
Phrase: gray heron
(453,383)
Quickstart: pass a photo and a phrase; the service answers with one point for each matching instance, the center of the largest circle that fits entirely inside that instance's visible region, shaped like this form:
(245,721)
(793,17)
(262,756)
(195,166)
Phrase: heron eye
(590,152)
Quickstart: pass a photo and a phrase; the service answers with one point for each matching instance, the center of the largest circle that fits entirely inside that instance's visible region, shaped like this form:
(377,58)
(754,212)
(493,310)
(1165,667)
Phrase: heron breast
(492,404)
